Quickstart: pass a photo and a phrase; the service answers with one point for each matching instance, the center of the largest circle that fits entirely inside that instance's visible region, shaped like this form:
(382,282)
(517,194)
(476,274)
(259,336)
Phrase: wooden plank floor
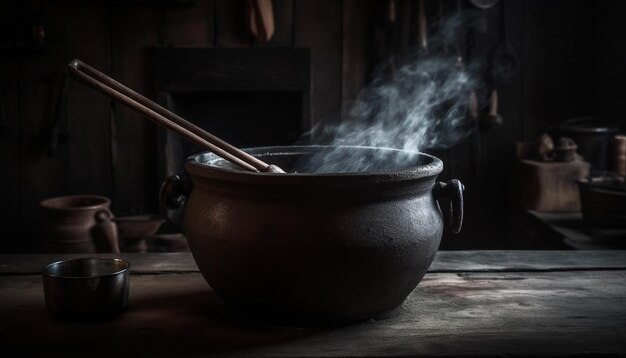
(472,303)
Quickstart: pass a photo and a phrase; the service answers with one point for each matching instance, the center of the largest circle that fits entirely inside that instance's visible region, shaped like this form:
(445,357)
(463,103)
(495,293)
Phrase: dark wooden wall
(106,149)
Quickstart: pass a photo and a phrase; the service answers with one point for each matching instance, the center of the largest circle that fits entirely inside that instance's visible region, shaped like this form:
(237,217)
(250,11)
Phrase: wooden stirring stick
(166,118)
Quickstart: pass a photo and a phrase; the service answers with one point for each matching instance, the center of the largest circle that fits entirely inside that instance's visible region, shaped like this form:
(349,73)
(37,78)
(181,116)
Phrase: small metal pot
(86,288)
(313,248)
(593,137)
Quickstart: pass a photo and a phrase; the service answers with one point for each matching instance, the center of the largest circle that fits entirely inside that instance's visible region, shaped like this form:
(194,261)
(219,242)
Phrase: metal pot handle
(453,191)
(174,192)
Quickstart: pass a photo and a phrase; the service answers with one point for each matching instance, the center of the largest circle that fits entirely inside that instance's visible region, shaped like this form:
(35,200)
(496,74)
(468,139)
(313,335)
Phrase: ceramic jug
(78,224)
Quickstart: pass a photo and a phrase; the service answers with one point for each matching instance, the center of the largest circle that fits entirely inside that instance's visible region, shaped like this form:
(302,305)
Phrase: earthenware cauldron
(305,248)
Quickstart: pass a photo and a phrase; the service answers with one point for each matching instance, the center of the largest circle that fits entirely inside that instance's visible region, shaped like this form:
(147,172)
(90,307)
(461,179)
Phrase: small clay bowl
(139,226)
(133,231)
(86,288)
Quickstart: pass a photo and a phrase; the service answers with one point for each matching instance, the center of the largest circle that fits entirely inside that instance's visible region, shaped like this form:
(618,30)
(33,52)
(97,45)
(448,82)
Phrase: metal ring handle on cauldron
(174,192)
(453,191)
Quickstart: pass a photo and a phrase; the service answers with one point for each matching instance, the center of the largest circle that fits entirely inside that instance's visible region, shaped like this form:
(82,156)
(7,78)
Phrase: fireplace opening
(249,97)
(244,119)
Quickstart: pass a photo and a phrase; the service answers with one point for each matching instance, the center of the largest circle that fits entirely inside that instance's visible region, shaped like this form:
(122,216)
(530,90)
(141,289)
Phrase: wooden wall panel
(11,217)
(191,26)
(611,61)
(491,158)
(89,146)
(568,67)
(358,19)
(560,73)
(43,174)
(484,180)
(497,162)
(318,26)
(136,183)
(283,23)
(230,29)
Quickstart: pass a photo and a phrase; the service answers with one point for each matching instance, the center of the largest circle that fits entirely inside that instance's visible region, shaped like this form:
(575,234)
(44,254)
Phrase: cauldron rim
(199,164)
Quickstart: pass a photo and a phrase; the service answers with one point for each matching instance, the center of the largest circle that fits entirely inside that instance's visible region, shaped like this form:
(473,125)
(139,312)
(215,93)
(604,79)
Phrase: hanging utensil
(422,27)
(493,117)
(390,27)
(164,117)
(391,11)
(384,42)
(473,98)
(260,19)
(503,64)
(503,59)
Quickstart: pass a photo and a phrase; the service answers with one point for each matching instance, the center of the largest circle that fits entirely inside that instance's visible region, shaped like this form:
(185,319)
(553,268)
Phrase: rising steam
(422,106)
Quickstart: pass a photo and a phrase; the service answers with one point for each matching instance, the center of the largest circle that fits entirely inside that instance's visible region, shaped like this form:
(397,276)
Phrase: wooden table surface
(540,303)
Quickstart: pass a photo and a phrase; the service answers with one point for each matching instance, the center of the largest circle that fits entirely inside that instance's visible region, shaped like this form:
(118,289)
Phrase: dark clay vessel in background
(313,248)
(78,224)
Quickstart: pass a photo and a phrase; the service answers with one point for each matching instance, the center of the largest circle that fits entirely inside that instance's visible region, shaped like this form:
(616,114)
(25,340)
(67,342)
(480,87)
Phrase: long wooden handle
(164,117)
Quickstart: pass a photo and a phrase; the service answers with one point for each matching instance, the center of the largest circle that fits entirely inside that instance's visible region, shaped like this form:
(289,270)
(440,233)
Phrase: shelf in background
(575,234)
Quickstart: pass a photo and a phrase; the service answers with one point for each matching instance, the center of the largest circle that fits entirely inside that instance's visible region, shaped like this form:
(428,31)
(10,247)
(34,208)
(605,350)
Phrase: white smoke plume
(423,106)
